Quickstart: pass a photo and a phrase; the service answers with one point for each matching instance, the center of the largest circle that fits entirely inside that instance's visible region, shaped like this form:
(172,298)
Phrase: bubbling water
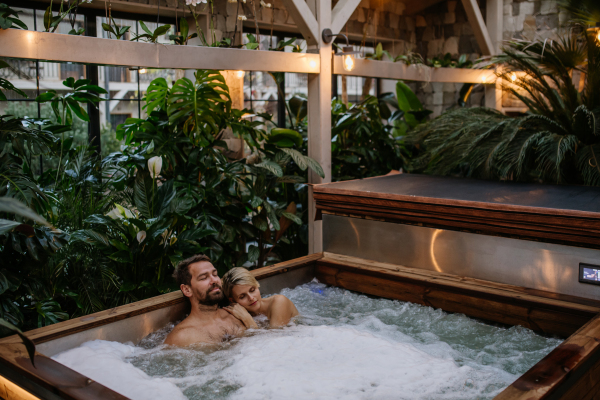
(343,346)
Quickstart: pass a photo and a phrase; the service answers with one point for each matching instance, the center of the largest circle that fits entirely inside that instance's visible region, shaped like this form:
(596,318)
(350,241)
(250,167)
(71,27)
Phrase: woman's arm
(242,314)
(282,310)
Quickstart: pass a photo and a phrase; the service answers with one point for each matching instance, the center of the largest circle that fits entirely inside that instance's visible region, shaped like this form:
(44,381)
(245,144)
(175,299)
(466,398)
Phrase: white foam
(104,362)
(308,362)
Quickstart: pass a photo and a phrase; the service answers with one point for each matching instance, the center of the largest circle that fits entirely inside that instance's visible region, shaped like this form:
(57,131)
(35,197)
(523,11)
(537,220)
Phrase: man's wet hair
(182,273)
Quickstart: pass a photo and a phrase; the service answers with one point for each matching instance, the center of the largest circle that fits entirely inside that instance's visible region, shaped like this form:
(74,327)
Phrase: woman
(241,288)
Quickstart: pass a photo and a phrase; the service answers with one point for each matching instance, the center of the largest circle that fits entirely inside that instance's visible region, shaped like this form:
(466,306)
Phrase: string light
(313,64)
(240,74)
(142,71)
(513,77)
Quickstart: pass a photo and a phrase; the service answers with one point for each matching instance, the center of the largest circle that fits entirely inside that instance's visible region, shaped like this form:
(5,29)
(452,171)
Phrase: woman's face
(246,296)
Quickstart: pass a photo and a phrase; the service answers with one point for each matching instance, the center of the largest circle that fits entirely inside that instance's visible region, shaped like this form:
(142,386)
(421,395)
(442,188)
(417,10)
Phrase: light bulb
(598,37)
(313,64)
(513,77)
(240,74)
(142,71)
(483,79)
(348,61)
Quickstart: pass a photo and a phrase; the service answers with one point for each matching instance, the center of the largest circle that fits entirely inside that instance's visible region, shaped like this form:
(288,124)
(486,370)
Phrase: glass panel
(295,84)
(64,27)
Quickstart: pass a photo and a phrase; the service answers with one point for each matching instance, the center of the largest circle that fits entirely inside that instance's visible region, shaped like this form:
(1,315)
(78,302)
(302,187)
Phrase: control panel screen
(589,273)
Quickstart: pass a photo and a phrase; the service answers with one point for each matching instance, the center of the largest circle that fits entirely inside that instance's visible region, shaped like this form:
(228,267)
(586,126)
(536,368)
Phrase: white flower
(155,165)
(141,236)
(267,5)
(120,212)
(114,214)
(242,17)
(194,2)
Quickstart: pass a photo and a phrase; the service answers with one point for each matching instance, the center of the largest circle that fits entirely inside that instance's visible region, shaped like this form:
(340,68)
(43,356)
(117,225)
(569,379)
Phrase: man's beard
(211,299)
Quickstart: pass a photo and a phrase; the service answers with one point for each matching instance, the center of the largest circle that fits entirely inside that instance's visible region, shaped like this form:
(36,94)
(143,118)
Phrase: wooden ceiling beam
(341,13)
(90,50)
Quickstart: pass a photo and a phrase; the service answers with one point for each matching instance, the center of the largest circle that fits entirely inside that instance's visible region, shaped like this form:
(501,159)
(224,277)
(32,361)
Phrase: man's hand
(242,314)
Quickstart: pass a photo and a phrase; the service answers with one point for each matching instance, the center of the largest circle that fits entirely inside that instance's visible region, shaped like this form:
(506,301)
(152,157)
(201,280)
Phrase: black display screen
(589,273)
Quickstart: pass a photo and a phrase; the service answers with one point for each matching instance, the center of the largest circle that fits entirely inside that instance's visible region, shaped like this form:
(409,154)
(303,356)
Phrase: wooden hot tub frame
(571,371)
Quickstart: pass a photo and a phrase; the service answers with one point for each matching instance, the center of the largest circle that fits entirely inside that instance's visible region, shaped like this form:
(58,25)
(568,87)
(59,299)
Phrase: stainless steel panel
(536,265)
(291,279)
(132,329)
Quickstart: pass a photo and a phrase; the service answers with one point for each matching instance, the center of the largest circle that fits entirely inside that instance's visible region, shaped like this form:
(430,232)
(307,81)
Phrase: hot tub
(567,372)
(512,254)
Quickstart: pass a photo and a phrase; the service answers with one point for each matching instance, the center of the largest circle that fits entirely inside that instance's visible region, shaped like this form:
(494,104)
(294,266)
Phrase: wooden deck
(550,213)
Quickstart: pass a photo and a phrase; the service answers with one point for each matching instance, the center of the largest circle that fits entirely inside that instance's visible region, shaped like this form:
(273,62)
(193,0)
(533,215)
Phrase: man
(207,323)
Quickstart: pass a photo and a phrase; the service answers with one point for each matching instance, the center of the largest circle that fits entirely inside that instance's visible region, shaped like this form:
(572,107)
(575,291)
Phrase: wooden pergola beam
(414,72)
(304,20)
(341,13)
(477,23)
(44,46)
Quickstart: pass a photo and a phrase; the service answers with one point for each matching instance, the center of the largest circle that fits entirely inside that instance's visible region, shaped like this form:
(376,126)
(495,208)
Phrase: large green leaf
(156,95)
(12,206)
(270,166)
(143,193)
(407,101)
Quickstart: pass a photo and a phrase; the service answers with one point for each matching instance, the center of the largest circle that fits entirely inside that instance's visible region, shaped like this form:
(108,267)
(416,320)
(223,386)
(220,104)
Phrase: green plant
(378,53)
(362,145)
(409,113)
(448,62)
(183,36)
(52,21)
(113,28)
(6,85)
(586,12)
(558,142)
(148,35)
(252,42)
(410,58)
(65,105)
(9,18)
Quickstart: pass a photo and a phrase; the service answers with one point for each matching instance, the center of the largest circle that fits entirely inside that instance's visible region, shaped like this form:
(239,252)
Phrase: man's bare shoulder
(186,333)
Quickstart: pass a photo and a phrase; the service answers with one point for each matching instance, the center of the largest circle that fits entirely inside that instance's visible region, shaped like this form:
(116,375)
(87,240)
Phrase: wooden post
(235,82)
(494,19)
(319,121)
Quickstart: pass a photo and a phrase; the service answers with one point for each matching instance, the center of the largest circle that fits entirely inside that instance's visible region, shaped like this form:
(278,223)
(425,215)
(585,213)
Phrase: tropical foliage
(557,142)
(125,220)
(367,137)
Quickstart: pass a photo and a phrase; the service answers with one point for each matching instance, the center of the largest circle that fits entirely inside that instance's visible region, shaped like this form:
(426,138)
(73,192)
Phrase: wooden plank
(571,371)
(286,266)
(90,50)
(51,376)
(341,13)
(481,33)
(304,20)
(356,261)
(10,391)
(414,72)
(575,223)
(476,298)
(563,215)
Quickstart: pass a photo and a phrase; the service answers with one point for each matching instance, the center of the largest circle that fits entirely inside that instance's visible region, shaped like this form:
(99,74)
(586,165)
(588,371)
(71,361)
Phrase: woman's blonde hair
(237,276)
